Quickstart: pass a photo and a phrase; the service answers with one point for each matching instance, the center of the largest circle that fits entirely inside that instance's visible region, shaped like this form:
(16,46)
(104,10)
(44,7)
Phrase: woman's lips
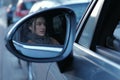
(42,32)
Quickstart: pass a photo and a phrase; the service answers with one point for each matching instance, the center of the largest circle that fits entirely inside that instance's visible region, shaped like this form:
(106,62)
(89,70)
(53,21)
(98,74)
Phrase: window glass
(113,41)
(27,5)
(89,28)
(116,41)
(117,31)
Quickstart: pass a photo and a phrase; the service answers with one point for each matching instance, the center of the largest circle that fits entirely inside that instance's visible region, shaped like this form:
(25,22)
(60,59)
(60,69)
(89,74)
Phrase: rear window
(27,5)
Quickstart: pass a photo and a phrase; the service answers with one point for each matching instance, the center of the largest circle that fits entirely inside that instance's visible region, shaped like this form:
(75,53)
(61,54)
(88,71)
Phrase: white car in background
(78,6)
(42,5)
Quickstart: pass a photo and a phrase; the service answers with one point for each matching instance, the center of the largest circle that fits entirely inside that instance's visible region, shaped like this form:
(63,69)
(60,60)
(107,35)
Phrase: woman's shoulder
(54,41)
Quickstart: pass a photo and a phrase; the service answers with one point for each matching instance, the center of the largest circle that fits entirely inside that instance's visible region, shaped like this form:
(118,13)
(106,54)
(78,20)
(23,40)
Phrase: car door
(90,52)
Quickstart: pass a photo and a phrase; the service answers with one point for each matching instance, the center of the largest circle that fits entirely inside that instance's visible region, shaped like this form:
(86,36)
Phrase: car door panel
(108,53)
(95,67)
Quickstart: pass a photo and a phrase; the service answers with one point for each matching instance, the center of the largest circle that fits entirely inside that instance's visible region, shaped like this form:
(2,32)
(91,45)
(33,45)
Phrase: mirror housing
(43,53)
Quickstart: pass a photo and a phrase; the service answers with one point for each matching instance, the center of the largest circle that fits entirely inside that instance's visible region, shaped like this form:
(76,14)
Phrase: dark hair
(34,22)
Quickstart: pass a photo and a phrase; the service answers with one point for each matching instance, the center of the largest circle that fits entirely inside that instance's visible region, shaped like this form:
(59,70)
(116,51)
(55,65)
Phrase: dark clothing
(39,39)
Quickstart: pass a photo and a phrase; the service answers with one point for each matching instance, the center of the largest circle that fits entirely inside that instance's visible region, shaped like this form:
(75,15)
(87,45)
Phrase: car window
(113,41)
(117,31)
(89,28)
(27,5)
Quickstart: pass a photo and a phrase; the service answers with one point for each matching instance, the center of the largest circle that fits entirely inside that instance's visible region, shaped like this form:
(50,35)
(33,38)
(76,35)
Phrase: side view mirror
(43,36)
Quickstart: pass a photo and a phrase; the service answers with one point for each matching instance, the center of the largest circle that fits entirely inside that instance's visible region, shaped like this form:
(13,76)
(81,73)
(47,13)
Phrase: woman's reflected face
(40,27)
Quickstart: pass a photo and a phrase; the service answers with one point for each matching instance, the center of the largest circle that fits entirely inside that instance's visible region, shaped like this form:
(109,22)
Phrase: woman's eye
(38,24)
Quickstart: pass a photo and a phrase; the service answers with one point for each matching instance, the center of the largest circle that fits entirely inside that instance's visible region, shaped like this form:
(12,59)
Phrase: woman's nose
(43,25)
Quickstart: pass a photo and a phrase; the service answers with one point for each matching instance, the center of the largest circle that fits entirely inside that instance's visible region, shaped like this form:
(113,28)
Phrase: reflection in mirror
(41,33)
(113,41)
(42,30)
(117,31)
(116,41)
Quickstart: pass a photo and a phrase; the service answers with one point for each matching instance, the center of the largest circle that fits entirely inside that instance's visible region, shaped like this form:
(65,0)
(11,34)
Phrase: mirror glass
(41,33)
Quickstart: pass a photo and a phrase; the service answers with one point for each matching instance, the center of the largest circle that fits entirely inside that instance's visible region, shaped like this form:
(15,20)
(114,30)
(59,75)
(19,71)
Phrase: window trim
(84,19)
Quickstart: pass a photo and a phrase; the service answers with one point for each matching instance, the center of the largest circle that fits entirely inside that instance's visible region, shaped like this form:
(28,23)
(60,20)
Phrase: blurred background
(14,10)
(7,2)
